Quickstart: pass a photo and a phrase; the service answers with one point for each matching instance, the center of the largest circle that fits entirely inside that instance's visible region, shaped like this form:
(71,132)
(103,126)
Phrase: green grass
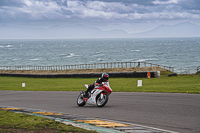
(19,122)
(179,84)
(43,84)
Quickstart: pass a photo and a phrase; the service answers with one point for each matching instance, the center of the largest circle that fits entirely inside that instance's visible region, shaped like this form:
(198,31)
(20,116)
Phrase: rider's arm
(99,80)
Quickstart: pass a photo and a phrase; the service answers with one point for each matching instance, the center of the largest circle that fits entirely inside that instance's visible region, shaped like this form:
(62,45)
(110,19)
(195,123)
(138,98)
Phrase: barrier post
(149,75)
(139,83)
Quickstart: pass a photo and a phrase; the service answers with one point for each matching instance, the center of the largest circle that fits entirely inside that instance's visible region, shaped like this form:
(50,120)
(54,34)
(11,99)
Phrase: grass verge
(19,122)
(176,84)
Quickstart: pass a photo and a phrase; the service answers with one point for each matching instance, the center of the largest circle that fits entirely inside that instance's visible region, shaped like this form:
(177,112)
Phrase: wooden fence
(87,66)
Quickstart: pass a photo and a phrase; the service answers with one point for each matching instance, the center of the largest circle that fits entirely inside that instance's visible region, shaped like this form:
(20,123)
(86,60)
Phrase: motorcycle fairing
(94,94)
(105,87)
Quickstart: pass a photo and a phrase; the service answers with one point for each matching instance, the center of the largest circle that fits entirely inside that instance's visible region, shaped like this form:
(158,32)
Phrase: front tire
(80,101)
(102,101)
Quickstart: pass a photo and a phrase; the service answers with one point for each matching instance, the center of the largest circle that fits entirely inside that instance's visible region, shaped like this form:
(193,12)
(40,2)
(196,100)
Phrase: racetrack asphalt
(168,111)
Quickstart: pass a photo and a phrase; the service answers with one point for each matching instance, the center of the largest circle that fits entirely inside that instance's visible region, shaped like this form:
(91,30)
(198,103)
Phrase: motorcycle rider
(103,78)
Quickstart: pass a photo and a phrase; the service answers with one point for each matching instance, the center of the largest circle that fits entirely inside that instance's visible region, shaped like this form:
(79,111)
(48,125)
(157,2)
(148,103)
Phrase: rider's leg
(90,88)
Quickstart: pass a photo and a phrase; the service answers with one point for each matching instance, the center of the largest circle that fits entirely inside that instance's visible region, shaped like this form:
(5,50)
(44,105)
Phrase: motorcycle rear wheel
(102,101)
(80,101)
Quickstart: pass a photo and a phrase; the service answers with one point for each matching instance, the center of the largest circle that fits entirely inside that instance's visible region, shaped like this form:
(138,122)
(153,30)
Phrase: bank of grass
(19,122)
(176,84)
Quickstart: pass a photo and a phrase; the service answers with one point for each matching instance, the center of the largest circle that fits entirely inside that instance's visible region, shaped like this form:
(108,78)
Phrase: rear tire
(80,101)
(101,102)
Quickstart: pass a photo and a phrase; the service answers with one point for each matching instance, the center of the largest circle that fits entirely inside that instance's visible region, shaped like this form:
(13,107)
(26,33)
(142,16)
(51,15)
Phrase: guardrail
(87,66)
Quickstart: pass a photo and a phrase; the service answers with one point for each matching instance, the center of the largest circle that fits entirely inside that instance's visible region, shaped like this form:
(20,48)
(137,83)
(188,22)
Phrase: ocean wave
(135,50)
(143,60)
(128,60)
(35,59)
(99,59)
(8,46)
(98,55)
(166,44)
(71,55)
(63,54)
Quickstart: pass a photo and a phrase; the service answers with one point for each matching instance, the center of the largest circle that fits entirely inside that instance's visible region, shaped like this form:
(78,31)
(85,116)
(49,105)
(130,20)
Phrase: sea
(181,53)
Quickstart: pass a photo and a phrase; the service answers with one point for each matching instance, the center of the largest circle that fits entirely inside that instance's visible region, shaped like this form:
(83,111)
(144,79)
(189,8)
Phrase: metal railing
(87,66)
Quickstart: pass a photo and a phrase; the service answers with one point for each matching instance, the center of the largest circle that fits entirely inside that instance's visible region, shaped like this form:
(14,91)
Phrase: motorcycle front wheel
(101,101)
(80,101)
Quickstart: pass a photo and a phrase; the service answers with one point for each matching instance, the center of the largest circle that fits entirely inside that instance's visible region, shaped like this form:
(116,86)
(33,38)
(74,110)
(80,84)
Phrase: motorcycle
(98,96)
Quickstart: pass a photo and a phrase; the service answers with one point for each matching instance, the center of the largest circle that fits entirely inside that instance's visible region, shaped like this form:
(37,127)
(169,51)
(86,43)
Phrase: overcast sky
(129,15)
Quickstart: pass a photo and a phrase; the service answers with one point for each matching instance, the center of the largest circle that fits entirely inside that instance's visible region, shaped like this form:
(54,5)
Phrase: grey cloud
(165,2)
(190,5)
(127,2)
(32,10)
(10,3)
(99,11)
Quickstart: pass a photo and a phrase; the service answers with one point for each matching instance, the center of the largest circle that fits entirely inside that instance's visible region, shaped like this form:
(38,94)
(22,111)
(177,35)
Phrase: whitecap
(135,50)
(99,55)
(151,59)
(141,60)
(35,59)
(62,54)
(71,55)
(127,60)
(8,46)
(99,59)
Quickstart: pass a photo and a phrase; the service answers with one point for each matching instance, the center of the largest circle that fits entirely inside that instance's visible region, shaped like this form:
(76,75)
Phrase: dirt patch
(132,69)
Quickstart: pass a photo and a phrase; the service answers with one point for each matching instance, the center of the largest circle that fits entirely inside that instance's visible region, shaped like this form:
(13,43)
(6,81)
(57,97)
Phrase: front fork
(103,93)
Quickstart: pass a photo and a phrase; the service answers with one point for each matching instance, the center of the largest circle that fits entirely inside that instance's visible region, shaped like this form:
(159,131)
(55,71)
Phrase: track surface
(175,112)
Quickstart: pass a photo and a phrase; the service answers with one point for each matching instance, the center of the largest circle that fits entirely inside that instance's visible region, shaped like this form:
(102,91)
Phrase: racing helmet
(105,76)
